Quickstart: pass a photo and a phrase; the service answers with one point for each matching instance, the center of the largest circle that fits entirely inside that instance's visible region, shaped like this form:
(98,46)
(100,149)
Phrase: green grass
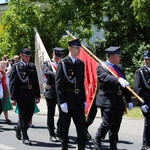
(134,113)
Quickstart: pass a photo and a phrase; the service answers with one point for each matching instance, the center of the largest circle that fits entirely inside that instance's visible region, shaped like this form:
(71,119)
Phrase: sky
(2,1)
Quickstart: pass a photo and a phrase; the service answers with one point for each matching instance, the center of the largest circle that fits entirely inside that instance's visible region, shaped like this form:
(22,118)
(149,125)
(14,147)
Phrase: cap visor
(26,54)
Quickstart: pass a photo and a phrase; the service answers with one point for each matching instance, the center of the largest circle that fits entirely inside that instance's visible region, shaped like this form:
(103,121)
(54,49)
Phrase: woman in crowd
(6,105)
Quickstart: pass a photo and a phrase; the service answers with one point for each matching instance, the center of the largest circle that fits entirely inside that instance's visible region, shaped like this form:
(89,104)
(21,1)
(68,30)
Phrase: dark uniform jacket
(65,90)
(109,90)
(20,89)
(50,91)
(141,87)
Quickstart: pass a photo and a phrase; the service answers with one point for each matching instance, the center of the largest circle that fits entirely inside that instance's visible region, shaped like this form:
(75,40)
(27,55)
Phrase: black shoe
(26,142)
(97,144)
(18,133)
(64,147)
(81,147)
(144,147)
(8,121)
(113,146)
(54,139)
(88,136)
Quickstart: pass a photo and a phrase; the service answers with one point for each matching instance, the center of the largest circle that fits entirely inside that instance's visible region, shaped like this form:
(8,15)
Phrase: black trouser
(91,116)
(79,121)
(26,111)
(111,120)
(146,132)
(51,104)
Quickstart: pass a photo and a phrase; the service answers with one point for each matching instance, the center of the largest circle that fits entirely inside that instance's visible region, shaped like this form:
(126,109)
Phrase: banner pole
(100,62)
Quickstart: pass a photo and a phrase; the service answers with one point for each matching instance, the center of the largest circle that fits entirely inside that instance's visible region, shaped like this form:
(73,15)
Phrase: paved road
(130,135)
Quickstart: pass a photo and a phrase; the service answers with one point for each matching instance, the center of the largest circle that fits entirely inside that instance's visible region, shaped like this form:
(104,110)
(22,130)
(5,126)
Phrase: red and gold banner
(90,81)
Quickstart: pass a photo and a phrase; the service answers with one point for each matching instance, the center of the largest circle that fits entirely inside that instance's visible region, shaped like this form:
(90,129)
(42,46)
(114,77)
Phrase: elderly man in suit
(110,98)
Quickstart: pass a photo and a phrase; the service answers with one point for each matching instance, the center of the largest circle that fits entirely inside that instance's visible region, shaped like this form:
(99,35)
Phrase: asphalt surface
(130,134)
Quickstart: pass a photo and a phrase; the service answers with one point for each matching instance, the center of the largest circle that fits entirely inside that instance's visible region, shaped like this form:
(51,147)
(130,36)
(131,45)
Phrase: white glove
(130,105)
(64,107)
(84,104)
(123,82)
(144,108)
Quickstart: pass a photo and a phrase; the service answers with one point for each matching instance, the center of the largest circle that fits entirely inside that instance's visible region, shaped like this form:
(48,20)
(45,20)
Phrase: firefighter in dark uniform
(71,95)
(24,90)
(110,98)
(49,70)
(142,88)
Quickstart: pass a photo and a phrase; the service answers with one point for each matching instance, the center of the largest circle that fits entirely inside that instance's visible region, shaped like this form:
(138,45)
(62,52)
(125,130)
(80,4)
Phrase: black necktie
(75,62)
(75,66)
(26,66)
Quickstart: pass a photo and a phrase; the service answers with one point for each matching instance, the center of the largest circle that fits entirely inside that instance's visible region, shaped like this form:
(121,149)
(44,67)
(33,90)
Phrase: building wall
(3,7)
(98,34)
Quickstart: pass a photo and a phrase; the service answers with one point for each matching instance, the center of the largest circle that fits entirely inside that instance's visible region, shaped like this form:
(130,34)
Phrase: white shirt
(25,64)
(148,68)
(109,62)
(72,58)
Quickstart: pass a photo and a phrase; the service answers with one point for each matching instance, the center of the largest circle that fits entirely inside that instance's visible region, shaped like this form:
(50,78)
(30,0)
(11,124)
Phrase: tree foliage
(125,23)
(141,12)
(18,22)
(50,18)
